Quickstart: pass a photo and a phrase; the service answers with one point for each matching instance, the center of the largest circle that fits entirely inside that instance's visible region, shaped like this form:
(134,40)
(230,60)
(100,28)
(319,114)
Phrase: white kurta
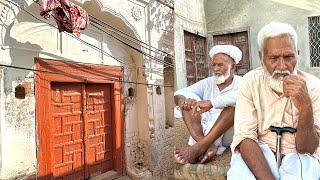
(206,89)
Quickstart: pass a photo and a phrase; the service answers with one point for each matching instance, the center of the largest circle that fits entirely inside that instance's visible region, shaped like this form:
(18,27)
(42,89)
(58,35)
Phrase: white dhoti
(291,168)
(208,119)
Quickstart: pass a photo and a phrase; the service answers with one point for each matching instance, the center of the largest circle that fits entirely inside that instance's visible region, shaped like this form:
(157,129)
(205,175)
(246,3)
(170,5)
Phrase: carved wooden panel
(98,129)
(67,135)
(79,117)
(195,54)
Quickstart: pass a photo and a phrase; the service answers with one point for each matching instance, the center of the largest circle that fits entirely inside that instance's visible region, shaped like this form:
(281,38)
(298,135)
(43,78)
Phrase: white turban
(233,51)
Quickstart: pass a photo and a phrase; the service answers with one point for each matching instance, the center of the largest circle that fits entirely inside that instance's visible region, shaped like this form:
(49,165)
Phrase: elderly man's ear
(234,67)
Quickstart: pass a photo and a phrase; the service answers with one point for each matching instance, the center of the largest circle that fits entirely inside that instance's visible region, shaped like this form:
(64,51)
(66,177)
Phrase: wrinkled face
(279,56)
(223,67)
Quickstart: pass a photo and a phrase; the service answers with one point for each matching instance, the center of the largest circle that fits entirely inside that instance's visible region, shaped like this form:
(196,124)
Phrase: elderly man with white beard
(210,131)
(277,95)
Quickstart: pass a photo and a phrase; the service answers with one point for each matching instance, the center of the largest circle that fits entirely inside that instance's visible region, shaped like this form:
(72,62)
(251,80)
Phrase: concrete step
(110,175)
(216,169)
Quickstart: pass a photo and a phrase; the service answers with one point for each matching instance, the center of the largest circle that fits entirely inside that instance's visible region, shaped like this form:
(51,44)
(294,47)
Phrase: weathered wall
(19,145)
(189,16)
(161,164)
(227,15)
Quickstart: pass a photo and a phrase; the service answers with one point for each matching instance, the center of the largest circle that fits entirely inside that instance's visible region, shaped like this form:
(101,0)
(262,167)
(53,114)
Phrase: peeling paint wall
(19,145)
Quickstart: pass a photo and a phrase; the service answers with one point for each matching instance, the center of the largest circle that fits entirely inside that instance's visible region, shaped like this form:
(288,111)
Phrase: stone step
(216,169)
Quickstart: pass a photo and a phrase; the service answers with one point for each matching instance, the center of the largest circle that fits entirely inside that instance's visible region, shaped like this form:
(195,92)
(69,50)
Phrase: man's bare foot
(188,155)
(209,154)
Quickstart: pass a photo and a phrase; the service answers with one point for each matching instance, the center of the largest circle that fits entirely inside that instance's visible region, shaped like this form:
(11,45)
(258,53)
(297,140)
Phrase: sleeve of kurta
(196,88)
(245,120)
(315,98)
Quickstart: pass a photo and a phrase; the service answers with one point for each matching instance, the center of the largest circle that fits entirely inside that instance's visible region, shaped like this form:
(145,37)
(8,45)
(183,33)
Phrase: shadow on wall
(162,20)
(23,54)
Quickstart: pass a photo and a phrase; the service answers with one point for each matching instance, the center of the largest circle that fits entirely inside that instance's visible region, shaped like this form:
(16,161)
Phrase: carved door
(195,54)
(81,140)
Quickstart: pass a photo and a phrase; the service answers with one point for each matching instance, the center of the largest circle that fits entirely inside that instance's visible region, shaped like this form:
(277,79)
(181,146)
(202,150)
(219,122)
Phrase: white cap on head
(230,50)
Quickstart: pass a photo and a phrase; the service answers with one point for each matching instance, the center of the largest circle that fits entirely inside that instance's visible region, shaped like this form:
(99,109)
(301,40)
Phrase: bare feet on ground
(192,154)
(186,155)
(209,154)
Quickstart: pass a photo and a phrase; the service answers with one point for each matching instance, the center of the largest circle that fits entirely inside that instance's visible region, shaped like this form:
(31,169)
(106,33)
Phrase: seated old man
(277,117)
(217,95)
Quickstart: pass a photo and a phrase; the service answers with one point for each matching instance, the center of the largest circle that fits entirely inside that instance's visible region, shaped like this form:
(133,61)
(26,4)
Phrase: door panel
(82,139)
(98,135)
(67,134)
(195,55)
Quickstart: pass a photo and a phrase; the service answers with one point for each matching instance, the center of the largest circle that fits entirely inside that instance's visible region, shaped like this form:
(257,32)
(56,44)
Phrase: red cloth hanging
(69,17)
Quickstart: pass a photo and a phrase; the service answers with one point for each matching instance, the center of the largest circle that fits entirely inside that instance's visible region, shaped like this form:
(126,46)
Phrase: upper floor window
(314,37)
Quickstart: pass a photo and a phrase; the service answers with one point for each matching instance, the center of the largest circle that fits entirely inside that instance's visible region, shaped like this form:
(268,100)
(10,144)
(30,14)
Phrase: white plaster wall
(19,145)
(2,115)
(189,16)
(222,16)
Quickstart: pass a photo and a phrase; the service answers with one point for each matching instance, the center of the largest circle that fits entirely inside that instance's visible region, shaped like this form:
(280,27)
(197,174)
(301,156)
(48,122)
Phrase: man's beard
(277,83)
(219,79)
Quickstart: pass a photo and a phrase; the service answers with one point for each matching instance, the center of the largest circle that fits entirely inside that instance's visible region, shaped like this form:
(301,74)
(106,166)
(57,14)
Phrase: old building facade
(80,108)
(238,23)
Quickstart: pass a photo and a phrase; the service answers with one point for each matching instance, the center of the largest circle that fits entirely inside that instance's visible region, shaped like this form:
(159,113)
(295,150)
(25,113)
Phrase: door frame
(47,71)
(210,35)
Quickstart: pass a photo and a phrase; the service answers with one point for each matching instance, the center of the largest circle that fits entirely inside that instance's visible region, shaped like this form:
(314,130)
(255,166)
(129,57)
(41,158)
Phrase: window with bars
(314,37)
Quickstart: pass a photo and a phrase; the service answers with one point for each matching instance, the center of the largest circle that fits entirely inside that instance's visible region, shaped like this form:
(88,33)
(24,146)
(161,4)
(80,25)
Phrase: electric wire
(78,76)
(132,47)
(119,32)
(129,37)
(77,38)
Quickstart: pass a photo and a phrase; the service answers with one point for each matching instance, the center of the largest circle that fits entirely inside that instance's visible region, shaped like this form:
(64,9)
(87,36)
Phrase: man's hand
(187,104)
(201,107)
(307,139)
(296,88)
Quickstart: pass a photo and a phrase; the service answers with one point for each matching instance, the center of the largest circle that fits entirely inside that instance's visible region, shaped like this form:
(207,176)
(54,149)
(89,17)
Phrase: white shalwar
(292,168)
(206,89)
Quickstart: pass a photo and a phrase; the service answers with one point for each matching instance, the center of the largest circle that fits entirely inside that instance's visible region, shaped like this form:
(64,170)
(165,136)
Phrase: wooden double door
(81,138)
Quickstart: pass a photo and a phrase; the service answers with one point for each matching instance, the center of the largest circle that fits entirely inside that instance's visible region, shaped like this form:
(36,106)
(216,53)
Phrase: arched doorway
(27,38)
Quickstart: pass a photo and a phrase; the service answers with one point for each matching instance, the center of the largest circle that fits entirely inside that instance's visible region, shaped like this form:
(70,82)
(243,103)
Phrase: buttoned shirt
(259,107)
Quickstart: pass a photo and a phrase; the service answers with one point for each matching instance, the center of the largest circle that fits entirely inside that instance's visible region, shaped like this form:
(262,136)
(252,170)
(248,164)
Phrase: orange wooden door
(81,141)
(67,140)
(98,129)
